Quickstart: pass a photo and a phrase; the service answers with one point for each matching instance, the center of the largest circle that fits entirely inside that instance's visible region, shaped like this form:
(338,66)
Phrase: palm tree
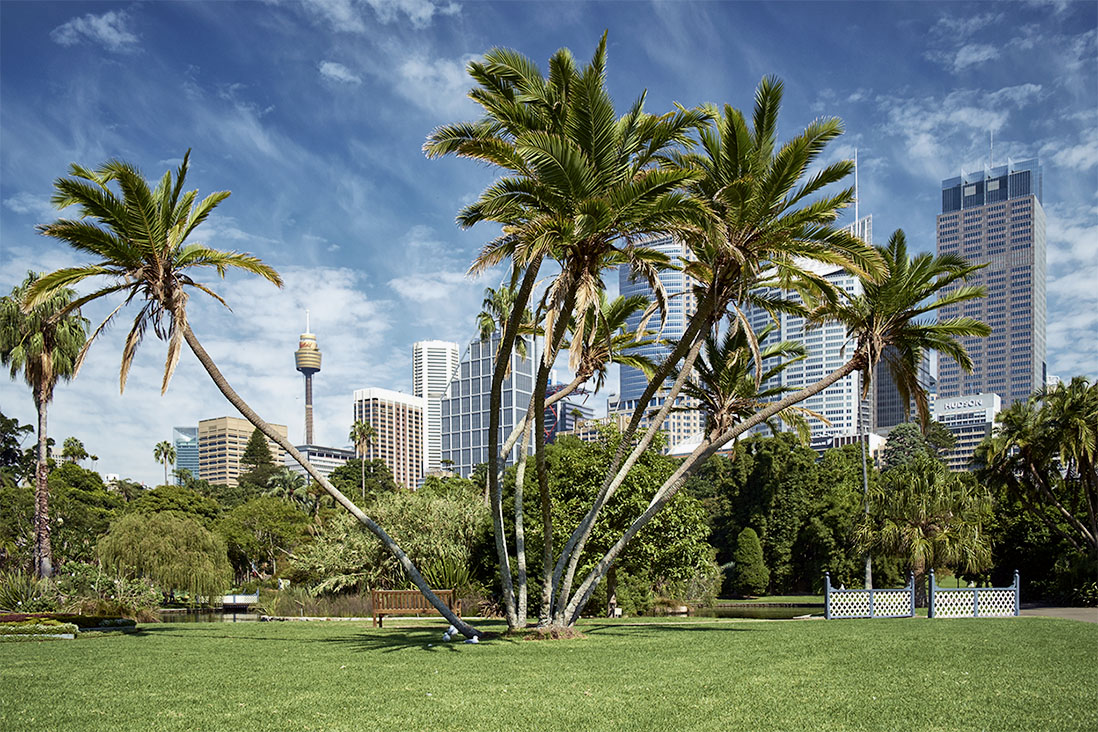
(43,341)
(929,518)
(889,312)
(579,184)
(139,236)
(496,311)
(362,436)
(72,450)
(765,224)
(164,452)
(1043,451)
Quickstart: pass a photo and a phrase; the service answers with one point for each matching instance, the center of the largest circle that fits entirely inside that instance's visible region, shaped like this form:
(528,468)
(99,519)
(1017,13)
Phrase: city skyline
(313,115)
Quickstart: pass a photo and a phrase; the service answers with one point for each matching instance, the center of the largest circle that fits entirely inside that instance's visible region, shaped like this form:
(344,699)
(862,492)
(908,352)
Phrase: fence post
(911,591)
(827,595)
(975,602)
(872,609)
(1017,594)
(930,605)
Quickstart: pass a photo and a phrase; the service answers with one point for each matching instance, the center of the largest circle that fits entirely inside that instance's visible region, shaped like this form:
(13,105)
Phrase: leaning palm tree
(164,453)
(890,311)
(138,236)
(362,436)
(44,342)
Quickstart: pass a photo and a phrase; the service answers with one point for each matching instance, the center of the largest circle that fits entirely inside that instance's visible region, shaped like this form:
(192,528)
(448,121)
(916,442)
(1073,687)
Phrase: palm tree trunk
(43,552)
(865,489)
(362,466)
(249,414)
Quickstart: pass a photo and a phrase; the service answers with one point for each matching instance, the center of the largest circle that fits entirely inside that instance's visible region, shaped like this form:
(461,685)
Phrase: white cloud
(1071,235)
(428,286)
(338,72)
(108,30)
(420,12)
(348,15)
(437,85)
(1080,157)
(972,54)
(31,205)
(955,27)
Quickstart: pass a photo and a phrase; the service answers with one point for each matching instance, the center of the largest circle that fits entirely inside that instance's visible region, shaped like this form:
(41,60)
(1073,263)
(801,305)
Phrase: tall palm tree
(43,342)
(767,220)
(72,450)
(362,436)
(164,452)
(139,236)
(496,311)
(579,183)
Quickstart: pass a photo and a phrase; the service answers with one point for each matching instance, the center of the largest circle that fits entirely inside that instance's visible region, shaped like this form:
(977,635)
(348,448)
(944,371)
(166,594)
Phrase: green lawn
(1004,674)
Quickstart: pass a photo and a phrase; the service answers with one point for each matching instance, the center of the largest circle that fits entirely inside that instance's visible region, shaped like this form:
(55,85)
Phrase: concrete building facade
(397,419)
(221,443)
(324,459)
(995,216)
(970,419)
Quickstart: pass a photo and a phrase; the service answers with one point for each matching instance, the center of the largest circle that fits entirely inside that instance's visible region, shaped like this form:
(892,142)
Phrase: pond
(759,612)
(206,616)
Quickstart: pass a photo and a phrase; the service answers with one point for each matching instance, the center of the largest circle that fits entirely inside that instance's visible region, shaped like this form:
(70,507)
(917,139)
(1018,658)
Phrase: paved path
(1085,614)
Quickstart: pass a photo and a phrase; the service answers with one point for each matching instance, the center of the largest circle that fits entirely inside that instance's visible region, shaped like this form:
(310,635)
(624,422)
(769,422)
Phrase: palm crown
(140,237)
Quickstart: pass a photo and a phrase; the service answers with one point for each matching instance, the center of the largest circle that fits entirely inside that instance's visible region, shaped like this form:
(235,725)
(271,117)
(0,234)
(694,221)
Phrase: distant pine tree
(751,574)
(256,469)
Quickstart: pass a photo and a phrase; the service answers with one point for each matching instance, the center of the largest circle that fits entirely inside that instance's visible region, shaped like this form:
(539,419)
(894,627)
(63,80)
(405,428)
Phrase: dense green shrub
(42,628)
(21,592)
(87,589)
(750,573)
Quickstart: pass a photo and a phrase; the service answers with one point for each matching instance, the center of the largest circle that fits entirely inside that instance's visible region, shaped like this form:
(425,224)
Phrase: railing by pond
(891,603)
(974,602)
(239,600)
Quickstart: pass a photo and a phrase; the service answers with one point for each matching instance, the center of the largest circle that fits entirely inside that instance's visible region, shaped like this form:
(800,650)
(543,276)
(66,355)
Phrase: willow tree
(138,237)
(43,342)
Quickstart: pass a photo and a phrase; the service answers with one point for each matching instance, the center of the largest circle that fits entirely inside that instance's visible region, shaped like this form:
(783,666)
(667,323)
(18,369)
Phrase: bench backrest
(408,600)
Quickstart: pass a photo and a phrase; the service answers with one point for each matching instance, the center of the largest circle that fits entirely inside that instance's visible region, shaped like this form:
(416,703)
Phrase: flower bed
(37,629)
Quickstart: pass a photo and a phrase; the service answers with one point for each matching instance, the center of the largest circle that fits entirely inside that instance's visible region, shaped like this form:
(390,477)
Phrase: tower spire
(307,361)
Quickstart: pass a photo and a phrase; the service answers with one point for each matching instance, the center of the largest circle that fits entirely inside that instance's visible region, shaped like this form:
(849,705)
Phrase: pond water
(206,616)
(756,612)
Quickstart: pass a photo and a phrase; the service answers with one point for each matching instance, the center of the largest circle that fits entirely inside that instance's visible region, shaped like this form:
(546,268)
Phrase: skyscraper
(307,361)
(828,349)
(186,451)
(465,406)
(681,304)
(433,365)
(995,216)
(889,408)
(397,420)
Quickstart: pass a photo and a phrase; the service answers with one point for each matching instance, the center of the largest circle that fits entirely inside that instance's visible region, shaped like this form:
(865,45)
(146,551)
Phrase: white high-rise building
(828,349)
(397,420)
(433,366)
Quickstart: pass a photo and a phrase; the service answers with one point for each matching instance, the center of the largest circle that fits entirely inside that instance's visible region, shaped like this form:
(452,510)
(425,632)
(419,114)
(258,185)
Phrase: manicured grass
(917,674)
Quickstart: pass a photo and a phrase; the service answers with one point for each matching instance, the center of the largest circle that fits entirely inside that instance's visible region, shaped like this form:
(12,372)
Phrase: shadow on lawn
(650,629)
(429,640)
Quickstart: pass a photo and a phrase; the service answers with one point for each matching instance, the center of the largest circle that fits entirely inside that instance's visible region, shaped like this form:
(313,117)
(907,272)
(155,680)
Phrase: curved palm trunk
(249,414)
(43,551)
(362,468)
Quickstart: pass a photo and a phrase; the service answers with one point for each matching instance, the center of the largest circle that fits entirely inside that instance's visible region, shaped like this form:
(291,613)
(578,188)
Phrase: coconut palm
(164,453)
(929,518)
(138,235)
(43,342)
(362,436)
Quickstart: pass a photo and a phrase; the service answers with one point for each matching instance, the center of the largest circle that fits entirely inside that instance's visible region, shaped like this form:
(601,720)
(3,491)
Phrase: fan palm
(43,342)
(164,452)
(362,436)
(139,235)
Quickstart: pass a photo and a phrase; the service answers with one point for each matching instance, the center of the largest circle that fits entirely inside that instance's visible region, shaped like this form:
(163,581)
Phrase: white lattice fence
(974,602)
(843,603)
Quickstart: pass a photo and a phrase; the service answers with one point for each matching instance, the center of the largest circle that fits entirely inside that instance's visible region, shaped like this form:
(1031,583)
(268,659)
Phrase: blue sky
(313,115)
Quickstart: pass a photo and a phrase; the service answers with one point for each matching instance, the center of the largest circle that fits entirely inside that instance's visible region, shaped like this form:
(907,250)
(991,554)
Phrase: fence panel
(974,602)
(891,603)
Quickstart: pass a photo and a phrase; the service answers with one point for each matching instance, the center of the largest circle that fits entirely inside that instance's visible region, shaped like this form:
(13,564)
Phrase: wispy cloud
(350,16)
(338,72)
(973,54)
(436,85)
(110,30)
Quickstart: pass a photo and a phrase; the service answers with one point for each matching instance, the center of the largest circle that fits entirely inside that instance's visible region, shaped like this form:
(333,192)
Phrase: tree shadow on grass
(423,639)
(651,629)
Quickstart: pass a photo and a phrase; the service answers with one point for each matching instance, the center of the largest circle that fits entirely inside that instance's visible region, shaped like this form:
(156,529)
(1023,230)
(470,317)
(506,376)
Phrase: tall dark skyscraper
(995,216)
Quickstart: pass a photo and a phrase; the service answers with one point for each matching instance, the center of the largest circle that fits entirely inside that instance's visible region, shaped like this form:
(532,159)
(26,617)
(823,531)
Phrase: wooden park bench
(409,602)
